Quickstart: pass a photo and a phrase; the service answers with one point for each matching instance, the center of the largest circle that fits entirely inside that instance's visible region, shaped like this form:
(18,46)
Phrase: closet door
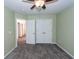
(44,31)
(30,31)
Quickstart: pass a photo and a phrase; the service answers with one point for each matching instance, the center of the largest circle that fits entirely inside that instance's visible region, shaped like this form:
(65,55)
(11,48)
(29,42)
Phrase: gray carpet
(38,51)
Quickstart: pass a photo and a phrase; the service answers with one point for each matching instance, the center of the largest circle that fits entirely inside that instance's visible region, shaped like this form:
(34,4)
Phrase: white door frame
(16,34)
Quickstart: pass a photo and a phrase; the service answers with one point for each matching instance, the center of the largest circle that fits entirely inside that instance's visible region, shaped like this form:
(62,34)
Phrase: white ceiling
(22,7)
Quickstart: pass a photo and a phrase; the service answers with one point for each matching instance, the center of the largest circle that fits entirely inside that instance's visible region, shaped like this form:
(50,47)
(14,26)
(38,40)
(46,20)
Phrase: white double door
(39,31)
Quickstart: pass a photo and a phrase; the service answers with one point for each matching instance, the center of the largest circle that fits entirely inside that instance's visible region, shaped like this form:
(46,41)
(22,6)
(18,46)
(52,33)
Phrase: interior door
(30,31)
(44,31)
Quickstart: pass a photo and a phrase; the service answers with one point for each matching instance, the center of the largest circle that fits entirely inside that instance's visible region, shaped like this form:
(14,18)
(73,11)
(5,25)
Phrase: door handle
(43,32)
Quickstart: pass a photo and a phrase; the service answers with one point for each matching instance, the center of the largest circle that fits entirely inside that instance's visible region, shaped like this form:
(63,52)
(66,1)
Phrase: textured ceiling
(24,8)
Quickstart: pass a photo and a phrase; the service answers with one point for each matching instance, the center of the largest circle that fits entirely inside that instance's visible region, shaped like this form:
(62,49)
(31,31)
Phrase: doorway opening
(21,32)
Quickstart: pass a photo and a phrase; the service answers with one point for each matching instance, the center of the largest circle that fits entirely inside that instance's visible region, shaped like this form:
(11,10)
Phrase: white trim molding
(54,43)
(65,50)
(9,52)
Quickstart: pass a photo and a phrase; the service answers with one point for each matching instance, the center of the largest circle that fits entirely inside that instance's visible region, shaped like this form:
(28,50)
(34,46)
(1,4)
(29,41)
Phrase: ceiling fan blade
(44,7)
(50,1)
(32,7)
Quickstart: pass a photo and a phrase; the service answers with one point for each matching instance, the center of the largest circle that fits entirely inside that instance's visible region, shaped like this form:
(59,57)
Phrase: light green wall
(9,30)
(20,16)
(37,17)
(65,29)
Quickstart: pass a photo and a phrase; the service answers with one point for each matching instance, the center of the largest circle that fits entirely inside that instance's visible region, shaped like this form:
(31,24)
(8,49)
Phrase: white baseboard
(9,52)
(54,43)
(46,43)
(65,50)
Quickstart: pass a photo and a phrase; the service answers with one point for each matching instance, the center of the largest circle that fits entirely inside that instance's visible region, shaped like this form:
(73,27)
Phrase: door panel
(30,31)
(44,31)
